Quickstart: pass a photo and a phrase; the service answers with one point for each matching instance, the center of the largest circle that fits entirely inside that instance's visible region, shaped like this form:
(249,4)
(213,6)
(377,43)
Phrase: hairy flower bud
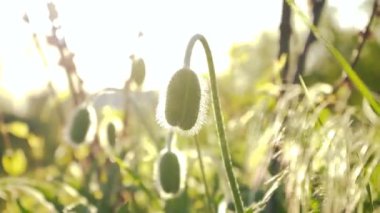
(184,106)
(109,132)
(82,126)
(170,173)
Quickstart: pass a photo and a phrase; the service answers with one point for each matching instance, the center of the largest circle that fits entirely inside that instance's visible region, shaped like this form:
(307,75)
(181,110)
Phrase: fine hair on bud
(82,126)
(170,173)
(137,70)
(184,105)
(109,132)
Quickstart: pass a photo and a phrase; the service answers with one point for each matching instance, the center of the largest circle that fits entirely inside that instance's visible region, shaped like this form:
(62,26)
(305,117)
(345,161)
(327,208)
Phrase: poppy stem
(226,157)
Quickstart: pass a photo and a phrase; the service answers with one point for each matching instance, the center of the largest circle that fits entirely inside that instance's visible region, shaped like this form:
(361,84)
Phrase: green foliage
(325,141)
(351,73)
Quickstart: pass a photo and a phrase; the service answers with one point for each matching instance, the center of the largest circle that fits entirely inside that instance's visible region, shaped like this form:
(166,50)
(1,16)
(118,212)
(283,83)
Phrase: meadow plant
(296,147)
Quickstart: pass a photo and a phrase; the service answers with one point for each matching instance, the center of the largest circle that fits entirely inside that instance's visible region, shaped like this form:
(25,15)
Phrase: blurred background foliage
(327,143)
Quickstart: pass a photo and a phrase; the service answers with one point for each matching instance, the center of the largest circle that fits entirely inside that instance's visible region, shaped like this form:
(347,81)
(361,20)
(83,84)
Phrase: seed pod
(185,105)
(170,173)
(137,70)
(83,125)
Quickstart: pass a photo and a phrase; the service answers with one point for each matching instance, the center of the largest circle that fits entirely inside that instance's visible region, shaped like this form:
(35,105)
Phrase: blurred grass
(351,73)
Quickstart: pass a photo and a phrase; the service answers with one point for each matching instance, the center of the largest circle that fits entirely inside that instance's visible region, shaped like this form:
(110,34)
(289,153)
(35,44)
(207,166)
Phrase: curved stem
(218,117)
(201,164)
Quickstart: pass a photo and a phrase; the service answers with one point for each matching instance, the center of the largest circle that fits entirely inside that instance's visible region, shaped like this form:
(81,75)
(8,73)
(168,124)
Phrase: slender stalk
(218,117)
(355,55)
(74,94)
(285,33)
(169,141)
(66,60)
(210,204)
(317,11)
(368,188)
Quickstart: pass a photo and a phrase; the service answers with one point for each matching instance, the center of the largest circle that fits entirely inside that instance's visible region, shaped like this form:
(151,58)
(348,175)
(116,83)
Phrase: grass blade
(351,73)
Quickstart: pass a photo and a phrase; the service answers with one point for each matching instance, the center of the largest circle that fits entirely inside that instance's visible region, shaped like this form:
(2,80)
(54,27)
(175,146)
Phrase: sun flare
(102,35)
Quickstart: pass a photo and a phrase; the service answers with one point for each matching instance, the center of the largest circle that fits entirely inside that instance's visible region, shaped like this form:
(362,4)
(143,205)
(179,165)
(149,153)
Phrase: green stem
(218,117)
(209,200)
(169,141)
(368,187)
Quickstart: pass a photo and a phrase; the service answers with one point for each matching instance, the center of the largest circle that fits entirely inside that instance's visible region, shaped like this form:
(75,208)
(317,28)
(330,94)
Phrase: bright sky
(103,34)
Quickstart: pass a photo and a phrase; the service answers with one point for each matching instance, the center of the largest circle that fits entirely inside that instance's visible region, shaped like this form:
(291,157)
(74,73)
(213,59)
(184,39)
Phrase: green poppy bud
(109,131)
(82,127)
(170,173)
(185,102)
(111,134)
(137,70)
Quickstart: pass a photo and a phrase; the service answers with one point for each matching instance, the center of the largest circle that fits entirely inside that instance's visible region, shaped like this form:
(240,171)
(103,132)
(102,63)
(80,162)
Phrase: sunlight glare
(103,34)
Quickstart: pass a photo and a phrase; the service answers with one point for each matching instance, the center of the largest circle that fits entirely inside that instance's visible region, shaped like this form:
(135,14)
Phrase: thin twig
(50,87)
(317,11)
(355,55)
(66,60)
(210,204)
(285,33)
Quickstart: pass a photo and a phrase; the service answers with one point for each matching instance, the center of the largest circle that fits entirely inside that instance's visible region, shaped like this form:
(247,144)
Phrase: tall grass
(327,150)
